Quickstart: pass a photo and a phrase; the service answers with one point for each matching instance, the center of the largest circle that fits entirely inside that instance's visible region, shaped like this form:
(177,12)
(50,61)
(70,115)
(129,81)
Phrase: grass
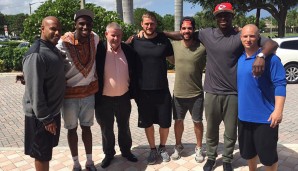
(274,34)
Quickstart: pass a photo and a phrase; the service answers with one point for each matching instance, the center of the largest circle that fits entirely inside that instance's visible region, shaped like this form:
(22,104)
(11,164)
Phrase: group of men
(78,73)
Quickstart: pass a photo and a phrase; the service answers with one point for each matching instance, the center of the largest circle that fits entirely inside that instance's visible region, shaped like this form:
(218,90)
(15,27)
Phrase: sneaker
(152,157)
(90,167)
(199,155)
(209,165)
(164,154)
(177,151)
(77,168)
(227,166)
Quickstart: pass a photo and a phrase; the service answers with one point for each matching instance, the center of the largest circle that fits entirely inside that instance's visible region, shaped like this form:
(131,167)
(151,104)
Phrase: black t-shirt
(151,61)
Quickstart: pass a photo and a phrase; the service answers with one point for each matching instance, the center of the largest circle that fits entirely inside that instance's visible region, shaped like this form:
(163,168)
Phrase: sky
(162,7)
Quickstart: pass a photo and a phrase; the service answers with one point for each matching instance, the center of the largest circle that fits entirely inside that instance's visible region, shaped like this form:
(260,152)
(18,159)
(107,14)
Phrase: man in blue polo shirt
(260,103)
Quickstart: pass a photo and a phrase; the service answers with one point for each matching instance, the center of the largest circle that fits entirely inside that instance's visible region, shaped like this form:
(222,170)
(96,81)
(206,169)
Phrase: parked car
(288,53)
(23,44)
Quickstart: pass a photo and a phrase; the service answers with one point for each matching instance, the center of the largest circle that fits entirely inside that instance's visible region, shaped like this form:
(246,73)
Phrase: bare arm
(174,35)
(268,48)
(171,59)
(276,115)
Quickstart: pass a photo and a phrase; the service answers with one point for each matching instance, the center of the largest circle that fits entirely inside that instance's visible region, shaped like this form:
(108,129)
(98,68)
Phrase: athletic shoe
(177,151)
(209,165)
(152,157)
(199,155)
(164,154)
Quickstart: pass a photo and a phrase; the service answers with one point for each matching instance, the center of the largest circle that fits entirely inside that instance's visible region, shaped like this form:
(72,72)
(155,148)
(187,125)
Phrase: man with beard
(153,97)
(190,61)
(79,47)
(43,70)
(224,47)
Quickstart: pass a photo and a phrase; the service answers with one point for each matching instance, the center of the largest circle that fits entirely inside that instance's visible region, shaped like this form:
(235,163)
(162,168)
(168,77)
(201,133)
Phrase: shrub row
(11,58)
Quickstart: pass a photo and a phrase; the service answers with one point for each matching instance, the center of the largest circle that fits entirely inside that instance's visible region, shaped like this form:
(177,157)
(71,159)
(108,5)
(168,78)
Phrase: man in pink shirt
(115,65)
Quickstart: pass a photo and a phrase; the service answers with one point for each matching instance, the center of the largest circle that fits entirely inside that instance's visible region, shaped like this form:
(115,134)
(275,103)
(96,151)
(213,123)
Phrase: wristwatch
(261,55)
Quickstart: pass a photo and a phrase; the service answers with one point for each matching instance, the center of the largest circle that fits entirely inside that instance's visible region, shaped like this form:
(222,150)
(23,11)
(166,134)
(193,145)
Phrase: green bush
(11,58)
(6,55)
(18,54)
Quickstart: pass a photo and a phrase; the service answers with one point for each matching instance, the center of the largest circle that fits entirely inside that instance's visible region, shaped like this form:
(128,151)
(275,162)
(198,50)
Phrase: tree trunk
(258,13)
(127,11)
(178,13)
(82,4)
(119,8)
(282,22)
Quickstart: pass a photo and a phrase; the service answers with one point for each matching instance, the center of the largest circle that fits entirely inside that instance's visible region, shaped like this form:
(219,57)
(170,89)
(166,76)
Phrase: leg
(41,165)
(104,113)
(230,118)
(87,139)
(252,163)
(272,168)
(213,118)
(199,130)
(178,129)
(72,138)
(150,136)
(163,132)
(122,117)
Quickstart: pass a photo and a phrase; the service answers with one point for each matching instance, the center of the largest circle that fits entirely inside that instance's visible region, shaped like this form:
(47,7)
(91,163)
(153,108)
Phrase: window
(292,44)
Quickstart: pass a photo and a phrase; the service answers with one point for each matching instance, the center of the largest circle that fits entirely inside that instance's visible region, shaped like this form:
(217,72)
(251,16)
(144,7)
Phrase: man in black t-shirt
(153,97)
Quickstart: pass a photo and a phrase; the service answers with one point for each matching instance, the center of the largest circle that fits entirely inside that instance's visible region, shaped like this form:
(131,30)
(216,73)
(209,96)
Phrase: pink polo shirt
(116,76)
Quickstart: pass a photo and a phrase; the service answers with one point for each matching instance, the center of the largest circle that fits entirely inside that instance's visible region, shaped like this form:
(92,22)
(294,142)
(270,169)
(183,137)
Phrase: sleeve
(278,76)
(34,68)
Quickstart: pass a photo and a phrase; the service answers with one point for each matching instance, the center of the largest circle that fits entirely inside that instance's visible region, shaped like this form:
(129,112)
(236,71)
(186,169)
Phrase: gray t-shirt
(223,52)
(222,56)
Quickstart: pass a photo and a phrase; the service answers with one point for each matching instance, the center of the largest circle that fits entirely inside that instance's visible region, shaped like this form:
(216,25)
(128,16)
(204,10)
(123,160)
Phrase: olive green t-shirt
(189,65)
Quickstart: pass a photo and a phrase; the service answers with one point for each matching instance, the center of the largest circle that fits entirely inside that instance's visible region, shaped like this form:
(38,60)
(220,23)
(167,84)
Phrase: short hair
(113,25)
(149,14)
(190,19)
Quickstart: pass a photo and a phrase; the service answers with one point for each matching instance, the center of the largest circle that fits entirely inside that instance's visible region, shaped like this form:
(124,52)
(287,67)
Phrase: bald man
(260,103)
(43,70)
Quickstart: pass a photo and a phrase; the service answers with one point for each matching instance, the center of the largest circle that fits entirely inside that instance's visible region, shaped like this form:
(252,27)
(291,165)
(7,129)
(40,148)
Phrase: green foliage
(15,23)
(6,56)
(168,22)
(11,43)
(18,54)
(11,58)
(64,10)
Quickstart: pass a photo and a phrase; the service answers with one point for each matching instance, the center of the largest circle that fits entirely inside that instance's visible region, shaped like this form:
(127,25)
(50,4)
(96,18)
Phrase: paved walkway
(11,139)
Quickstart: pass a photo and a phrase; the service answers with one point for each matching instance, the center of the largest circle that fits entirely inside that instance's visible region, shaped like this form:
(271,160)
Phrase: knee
(72,131)
(86,129)
(179,122)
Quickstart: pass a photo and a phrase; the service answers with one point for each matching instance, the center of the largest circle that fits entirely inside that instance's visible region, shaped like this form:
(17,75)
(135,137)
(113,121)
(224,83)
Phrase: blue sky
(161,7)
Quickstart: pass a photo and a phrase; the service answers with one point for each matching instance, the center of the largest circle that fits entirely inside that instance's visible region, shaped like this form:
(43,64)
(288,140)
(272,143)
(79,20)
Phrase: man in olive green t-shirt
(190,60)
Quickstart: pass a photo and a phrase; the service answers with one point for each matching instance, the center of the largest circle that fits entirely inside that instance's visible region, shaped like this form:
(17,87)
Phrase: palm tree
(119,8)
(82,4)
(178,13)
(127,11)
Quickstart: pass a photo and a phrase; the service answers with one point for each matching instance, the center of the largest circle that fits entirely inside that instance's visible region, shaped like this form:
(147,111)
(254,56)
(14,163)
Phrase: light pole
(32,4)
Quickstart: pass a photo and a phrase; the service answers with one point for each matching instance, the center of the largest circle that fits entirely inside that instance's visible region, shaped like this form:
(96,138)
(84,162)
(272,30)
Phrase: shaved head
(50,29)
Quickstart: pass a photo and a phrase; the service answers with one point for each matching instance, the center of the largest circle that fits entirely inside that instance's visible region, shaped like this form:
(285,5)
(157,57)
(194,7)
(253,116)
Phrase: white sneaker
(177,151)
(164,154)
(199,155)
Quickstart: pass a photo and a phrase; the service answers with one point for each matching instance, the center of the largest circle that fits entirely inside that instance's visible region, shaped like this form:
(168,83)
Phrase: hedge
(11,58)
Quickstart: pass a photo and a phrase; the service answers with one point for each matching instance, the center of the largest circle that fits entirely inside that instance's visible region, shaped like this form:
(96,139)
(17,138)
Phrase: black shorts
(194,105)
(154,107)
(39,142)
(258,139)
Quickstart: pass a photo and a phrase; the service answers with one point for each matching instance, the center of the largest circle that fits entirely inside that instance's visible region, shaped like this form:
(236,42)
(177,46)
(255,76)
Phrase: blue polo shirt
(256,95)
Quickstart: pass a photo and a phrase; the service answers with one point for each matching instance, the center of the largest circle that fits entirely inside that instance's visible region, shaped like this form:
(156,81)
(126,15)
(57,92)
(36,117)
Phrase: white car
(288,53)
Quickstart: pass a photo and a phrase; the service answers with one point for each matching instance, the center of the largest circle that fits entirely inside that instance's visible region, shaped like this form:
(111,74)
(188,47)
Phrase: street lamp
(33,4)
